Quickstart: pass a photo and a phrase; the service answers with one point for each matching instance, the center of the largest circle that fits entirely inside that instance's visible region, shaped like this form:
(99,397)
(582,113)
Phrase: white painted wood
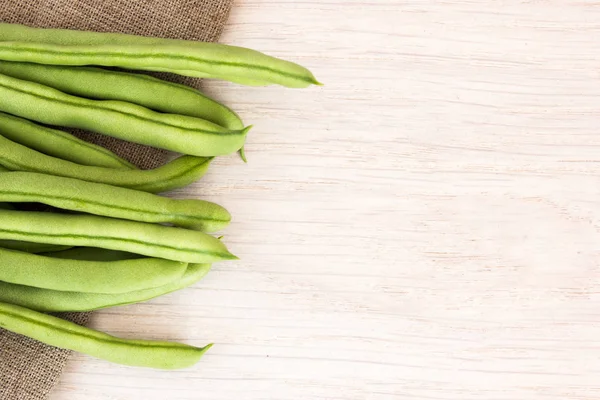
(425,226)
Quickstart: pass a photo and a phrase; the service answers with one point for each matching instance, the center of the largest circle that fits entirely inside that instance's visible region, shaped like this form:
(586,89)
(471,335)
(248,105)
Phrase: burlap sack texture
(28,369)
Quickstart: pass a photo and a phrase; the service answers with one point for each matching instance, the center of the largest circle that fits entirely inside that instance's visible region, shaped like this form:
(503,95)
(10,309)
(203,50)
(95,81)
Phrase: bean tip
(313,80)
(203,350)
(243,155)
(247,129)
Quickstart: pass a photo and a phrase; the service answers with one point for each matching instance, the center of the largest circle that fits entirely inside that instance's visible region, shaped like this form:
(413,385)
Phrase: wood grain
(425,226)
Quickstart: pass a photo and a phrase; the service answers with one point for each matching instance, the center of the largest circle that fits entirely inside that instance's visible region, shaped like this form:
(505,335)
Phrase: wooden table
(425,226)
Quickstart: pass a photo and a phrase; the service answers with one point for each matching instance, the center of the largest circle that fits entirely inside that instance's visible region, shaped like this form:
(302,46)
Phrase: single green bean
(57,143)
(46,300)
(27,247)
(197,59)
(175,174)
(180,133)
(60,333)
(87,276)
(109,233)
(111,201)
(144,90)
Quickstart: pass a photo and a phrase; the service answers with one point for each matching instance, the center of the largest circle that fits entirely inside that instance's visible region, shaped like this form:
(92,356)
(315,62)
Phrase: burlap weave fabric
(28,369)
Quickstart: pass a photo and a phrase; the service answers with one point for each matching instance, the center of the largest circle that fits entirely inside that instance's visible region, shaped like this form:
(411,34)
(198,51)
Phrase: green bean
(109,233)
(144,90)
(58,143)
(177,173)
(111,201)
(60,333)
(46,300)
(180,133)
(27,246)
(197,59)
(87,276)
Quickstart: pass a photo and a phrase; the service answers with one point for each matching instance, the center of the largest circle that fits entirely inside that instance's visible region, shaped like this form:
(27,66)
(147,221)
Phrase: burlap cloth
(28,369)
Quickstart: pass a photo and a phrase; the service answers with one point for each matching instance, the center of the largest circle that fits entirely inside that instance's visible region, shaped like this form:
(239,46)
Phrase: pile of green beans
(107,238)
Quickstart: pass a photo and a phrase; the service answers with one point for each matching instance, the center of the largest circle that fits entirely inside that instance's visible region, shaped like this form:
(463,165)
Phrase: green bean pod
(184,57)
(60,333)
(179,133)
(87,276)
(175,174)
(57,143)
(144,90)
(111,201)
(27,247)
(46,300)
(109,233)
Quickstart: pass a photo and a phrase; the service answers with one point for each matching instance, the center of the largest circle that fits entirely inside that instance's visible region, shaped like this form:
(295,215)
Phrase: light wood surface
(425,226)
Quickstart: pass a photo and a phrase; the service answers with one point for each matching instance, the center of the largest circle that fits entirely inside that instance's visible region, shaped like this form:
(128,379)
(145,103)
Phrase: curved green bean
(87,276)
(57,143)
(111,201)
(144,90)
(175,174)
(184,57)
(180,133)
(45,300)
(109,233)
(68,335)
